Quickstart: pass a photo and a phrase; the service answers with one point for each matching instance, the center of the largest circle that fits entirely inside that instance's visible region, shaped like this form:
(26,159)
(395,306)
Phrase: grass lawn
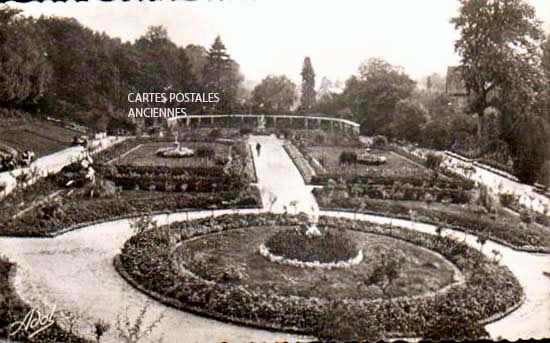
(145,155)
(220,256)
(42,138)
(395,165)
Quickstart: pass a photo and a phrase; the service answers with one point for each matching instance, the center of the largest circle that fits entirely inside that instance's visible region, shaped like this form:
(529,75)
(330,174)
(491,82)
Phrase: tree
(198,56)
(407,120)
(498,45)
(374,93)
(546,70)
(308,86)
(100,328)
(221,74)
(532,141)
(135,331)
(386,272)
(275,94)
(24,68)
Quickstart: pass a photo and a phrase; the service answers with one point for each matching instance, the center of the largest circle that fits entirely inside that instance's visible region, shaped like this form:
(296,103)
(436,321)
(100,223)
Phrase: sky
(273,36)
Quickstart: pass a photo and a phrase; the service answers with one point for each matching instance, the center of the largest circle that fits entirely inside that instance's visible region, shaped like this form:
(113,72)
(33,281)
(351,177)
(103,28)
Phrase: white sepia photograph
(236,171)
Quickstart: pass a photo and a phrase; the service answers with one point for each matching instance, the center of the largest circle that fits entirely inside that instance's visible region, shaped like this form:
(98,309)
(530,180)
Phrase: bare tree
(100,328)
(129,331)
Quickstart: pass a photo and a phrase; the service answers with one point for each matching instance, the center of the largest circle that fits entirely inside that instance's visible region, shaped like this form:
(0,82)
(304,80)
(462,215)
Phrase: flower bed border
(530,249)
(305,169)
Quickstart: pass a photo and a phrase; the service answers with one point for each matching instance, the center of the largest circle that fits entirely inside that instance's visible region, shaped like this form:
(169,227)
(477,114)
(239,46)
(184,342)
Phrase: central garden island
(406,284)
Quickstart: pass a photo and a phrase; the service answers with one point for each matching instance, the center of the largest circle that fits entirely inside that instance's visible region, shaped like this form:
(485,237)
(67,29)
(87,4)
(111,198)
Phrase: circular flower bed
(370,159)
(331,246)
(175,152)
(154,262)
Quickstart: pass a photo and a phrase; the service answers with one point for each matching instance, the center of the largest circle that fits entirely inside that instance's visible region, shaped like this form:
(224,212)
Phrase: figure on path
(258,148)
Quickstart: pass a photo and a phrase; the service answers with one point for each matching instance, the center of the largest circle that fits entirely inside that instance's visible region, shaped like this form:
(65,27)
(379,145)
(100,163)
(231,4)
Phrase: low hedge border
(251,165)
(50,232)
(446,226)
(503,173)
(480,290)
(300,162)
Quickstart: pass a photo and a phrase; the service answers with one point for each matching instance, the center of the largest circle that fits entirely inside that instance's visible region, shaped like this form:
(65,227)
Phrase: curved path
(75,272)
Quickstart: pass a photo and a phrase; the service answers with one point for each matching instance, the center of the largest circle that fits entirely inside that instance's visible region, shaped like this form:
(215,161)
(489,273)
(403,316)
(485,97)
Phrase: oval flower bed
(148,261)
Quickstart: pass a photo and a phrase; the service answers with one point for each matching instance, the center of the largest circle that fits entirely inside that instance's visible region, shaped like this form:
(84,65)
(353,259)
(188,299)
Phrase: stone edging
(264,251)
(251,156)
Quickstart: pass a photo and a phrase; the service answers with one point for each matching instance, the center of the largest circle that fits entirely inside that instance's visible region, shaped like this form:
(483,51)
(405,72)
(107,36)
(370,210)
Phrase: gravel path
(75,271)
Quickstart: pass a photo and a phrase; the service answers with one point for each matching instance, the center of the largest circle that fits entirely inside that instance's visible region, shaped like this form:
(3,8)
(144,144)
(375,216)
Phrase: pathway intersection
(75,271)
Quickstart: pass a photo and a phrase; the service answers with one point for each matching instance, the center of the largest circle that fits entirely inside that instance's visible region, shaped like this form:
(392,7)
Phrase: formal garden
(380,178)
(384,206)
(103,187)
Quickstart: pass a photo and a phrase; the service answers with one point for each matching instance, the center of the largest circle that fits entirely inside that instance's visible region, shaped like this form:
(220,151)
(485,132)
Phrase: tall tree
(546,70)
(275,94)
(24,68)
(221,74)
(499,42)
(375,92)
(197,56)
(308,85)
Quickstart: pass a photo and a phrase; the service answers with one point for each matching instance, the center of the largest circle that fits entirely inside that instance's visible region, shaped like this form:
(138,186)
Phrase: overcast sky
(273,36)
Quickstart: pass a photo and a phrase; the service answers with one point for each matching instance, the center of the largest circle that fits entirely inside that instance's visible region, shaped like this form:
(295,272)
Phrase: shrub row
(399,192)
(489,289)
(300,162)
(63,215)
(522,238)
(394,180)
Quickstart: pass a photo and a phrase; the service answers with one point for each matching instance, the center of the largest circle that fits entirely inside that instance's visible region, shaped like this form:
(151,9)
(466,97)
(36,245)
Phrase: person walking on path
(258,148)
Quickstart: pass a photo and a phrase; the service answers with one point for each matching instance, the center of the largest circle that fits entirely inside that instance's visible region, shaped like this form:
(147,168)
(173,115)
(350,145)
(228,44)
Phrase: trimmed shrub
(205,151)
(348,157)
(433,161)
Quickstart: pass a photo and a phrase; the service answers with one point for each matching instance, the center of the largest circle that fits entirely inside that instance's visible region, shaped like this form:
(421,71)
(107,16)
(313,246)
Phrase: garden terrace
(49,207)
(173,263)
(327,165)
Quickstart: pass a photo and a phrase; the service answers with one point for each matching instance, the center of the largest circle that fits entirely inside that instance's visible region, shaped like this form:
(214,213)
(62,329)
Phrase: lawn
(328,157)
(212,256)
(145,155)
(42,138)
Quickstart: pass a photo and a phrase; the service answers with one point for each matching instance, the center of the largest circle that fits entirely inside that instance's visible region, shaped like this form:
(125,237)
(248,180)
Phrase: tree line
(55,66)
